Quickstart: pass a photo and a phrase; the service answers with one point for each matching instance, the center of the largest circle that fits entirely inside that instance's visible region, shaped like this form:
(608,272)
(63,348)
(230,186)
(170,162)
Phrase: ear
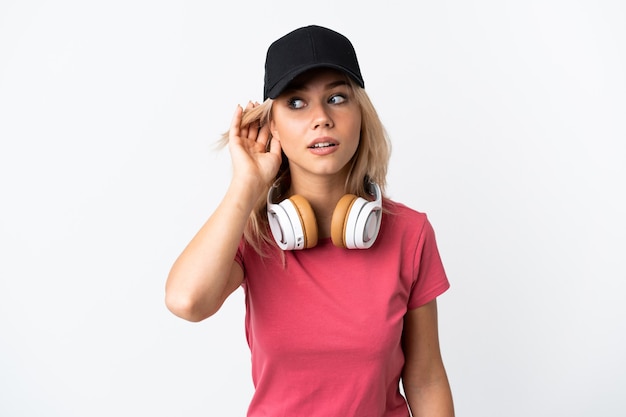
(273,129)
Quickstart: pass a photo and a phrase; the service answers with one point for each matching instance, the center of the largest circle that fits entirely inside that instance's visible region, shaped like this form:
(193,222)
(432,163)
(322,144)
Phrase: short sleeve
(430,278)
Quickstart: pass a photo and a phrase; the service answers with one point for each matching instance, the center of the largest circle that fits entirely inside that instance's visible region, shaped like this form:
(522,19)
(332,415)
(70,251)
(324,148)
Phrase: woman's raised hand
(252,160)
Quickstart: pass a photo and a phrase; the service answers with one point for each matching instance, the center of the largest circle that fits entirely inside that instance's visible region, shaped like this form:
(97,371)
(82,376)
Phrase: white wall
(508,126)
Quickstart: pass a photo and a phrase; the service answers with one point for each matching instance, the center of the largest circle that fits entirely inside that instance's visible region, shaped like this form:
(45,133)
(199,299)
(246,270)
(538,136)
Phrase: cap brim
(278,88)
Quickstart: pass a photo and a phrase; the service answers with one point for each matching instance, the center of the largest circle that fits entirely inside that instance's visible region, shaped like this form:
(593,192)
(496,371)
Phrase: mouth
(321,145)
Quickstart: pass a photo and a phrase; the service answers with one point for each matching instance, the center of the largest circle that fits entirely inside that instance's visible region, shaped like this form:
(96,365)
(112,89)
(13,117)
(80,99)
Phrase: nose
(321,117)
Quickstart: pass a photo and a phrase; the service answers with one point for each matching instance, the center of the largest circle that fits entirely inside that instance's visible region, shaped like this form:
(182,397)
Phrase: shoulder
(405,223)
(403,215)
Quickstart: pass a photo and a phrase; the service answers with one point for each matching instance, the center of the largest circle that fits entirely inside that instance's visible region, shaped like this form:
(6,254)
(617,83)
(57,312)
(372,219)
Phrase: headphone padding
(307,219)
(340,219)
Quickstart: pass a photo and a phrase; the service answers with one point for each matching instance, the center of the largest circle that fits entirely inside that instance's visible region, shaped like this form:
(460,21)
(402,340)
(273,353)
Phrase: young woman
(340,281)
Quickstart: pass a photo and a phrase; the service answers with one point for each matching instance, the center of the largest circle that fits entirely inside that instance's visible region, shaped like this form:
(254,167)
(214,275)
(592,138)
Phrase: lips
(321,143)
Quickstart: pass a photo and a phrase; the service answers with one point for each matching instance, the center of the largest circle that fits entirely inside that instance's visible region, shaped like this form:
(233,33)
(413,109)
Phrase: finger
(245,130)
(253,130)
(235,124)
(257,125)
(263,136)
(275,147)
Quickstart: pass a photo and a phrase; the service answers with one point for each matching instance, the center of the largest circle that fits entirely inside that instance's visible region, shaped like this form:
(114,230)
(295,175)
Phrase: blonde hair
(369,162)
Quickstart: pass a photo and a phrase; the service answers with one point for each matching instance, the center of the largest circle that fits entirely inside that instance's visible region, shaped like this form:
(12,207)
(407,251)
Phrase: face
(318,123)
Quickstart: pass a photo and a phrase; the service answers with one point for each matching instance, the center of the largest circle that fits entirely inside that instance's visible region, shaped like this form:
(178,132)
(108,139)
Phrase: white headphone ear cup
(363,221)
(293,223)
(353,236)
(339,220)
(308,222)
(281,226)
(367,225)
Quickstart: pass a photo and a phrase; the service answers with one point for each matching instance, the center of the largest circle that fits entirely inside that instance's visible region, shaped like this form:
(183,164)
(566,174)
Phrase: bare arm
(424,377)
(205,273)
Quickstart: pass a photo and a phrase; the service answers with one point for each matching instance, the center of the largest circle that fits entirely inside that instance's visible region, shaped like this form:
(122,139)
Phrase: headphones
(354,225)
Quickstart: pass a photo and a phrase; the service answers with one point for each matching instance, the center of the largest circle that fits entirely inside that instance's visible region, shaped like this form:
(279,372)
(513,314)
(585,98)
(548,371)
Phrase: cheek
(287,131)
(356,129)
(288,147)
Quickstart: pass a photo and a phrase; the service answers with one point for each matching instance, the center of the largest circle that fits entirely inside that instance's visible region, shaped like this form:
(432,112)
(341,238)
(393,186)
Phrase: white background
(508,126)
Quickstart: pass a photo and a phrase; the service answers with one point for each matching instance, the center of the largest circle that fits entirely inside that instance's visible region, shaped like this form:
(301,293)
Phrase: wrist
(246,192)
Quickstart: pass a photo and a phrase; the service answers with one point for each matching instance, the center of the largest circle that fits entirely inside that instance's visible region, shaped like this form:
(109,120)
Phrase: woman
(340,282)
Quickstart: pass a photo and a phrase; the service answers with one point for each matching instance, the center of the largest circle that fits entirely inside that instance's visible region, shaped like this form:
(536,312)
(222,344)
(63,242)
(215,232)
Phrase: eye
(295,103)
(337,99)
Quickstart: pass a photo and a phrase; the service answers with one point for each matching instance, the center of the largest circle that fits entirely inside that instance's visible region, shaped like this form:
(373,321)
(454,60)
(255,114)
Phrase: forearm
(431,399)
(424,376)
(199,280)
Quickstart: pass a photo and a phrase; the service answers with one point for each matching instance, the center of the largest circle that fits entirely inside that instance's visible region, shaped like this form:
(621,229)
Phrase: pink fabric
(325,331)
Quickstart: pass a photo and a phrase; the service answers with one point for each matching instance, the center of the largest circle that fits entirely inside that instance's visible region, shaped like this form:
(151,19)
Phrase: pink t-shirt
(325,330)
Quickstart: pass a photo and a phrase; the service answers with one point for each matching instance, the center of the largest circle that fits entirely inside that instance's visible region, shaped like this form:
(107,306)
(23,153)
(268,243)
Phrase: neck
(322,193)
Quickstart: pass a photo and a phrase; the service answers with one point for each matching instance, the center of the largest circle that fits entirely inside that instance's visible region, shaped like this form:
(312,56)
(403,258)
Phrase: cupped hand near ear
(253,161)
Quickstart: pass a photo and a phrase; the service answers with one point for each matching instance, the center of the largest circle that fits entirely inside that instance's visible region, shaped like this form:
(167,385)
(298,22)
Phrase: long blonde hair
(369,162)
